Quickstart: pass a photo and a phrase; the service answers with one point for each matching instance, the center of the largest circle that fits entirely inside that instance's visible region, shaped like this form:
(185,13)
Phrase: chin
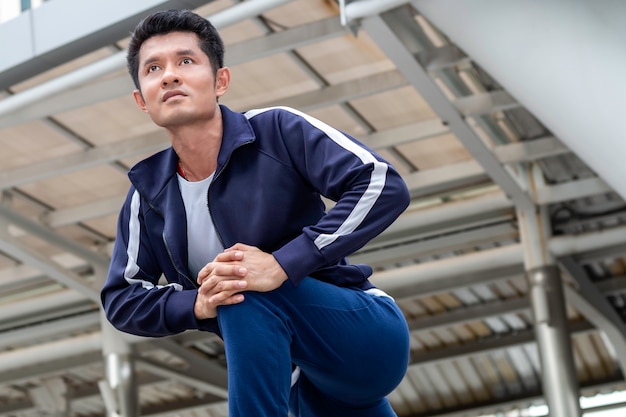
(174,120)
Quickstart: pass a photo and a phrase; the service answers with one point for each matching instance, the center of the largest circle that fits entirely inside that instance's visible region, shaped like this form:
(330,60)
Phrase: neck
(197,151)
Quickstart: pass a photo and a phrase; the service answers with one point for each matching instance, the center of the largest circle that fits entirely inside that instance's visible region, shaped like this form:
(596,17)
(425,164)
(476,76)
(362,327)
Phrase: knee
(257,309)
(253,329)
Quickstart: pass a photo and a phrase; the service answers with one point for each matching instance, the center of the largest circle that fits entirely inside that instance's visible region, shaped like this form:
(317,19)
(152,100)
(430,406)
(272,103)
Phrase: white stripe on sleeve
(373,191)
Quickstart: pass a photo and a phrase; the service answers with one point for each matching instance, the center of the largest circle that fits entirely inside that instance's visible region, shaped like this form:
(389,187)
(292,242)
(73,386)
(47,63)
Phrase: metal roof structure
(506,198)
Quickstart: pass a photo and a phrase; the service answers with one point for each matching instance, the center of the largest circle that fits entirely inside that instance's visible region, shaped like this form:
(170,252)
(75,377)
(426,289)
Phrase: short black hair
(168,21)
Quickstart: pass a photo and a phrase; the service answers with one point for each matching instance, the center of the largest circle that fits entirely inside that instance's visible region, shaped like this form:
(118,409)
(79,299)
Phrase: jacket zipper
(219,235)
(217,175)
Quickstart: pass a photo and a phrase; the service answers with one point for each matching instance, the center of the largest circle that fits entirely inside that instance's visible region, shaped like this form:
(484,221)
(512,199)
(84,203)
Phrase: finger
(227,271)
(238,247)
(234,299)
(222,297)
(220,272)
(205,272)
(224,285)
(229,256)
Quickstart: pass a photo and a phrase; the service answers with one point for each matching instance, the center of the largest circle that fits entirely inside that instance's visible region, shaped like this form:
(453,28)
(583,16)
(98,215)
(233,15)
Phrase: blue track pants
(351,348)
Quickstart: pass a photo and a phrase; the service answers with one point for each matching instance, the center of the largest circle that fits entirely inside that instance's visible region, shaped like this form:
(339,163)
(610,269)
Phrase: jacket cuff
(299,258)
(179,315)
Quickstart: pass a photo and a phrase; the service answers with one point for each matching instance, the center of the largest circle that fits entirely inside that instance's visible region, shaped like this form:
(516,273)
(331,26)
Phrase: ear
(140,101)
(222,81)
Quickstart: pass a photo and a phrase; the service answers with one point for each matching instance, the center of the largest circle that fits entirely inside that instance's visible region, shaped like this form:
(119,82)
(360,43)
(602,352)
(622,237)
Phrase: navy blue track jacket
(272,167)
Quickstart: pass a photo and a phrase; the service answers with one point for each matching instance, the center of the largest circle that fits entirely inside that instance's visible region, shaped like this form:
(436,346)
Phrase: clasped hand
(239,268)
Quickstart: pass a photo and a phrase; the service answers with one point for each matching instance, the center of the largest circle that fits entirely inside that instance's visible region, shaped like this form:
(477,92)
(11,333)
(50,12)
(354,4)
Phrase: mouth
(173,93)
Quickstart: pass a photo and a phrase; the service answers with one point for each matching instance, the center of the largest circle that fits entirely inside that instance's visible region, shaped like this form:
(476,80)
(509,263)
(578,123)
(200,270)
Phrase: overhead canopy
(564,60)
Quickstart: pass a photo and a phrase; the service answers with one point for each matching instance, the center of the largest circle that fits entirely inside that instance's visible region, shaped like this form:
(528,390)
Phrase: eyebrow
(181,52)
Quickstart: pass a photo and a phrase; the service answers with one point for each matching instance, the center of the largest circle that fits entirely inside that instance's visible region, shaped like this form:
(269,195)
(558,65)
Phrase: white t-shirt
(202,238)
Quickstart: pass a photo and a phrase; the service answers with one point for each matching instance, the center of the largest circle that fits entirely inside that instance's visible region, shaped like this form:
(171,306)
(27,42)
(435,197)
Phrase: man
(231,216)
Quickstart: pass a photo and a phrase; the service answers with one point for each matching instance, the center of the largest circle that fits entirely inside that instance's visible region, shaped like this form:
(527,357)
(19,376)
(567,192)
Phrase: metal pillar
(119,391)
(559,379)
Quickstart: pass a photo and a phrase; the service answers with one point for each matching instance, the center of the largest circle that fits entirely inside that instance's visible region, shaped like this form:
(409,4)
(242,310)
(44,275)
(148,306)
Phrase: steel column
(119,391)
(560,382)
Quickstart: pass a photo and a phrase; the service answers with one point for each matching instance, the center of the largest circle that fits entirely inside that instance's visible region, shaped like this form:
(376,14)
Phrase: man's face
(177,83)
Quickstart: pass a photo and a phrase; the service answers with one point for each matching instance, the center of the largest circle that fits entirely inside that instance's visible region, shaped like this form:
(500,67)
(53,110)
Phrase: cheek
(148,86)
(150,96)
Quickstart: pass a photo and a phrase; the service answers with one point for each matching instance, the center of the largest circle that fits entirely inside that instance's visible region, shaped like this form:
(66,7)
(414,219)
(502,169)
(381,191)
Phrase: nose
(169,78)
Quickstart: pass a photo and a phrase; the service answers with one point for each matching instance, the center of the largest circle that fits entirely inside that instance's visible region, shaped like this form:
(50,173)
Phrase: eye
(186,61)
(153,68)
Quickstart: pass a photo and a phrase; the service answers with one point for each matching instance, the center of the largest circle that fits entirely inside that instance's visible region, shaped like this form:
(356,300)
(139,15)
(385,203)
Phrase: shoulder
(151,174)
(157,159)
(278,112)
(285,119)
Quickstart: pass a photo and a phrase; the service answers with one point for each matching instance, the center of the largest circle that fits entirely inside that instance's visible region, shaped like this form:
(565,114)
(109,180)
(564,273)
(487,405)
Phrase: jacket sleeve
(369,194)
(132,298)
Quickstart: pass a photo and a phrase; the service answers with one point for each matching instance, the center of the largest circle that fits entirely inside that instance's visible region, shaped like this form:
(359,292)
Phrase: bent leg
(352,348)
(257,344)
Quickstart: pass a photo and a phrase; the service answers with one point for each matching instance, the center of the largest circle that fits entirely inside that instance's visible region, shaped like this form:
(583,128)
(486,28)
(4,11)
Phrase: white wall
(9,9)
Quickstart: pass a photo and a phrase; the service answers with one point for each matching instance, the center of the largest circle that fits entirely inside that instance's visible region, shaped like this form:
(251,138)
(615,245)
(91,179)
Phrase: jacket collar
(151,175)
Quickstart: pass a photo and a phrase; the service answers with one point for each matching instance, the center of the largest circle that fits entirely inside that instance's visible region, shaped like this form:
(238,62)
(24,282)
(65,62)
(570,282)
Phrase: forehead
(170,43)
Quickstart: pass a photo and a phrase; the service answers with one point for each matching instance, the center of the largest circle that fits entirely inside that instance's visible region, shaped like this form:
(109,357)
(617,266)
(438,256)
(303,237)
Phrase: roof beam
(490,264)
(77,214)
(284,41)
(77,96)
(76,394)
(192,377)
(342,92)
(405,134)
(592,304)
(446,56)
(571,190)
(530,150)
(48,235)
(445,217)
(468,314)
(198,366)
(484,103)
(424,247)
(445,179)
(150,142)
(487,344)
(50,329)
(13,247)
(70,99)
(49,304)
(383,34)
